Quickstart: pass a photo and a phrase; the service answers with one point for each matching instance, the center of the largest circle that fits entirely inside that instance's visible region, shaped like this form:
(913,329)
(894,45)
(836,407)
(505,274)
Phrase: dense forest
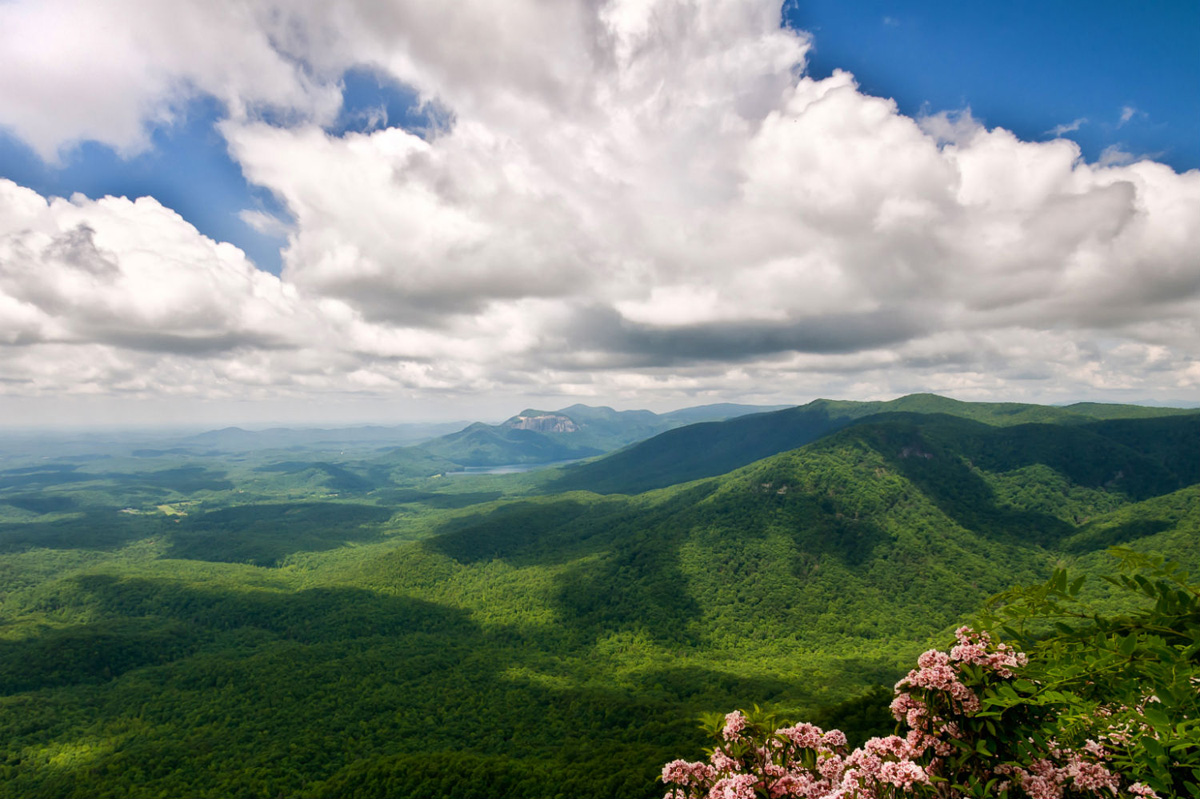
(356,617)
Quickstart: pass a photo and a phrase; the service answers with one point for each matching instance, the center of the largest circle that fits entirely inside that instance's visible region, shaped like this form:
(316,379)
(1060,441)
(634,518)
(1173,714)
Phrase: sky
(301,212)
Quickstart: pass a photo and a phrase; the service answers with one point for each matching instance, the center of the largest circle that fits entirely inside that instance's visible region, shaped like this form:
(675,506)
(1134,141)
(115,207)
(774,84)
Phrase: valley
(348,613)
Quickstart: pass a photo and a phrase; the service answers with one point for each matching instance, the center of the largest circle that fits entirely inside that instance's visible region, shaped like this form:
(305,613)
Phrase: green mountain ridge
(578,431)
(482,636)
(706,450)
(1027,485)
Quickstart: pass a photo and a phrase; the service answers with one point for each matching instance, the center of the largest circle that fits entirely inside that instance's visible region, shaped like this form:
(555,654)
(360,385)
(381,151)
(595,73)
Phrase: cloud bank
(631,200)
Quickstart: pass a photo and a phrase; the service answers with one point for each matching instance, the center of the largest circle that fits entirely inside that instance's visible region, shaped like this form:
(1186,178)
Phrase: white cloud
(77,70)
(633,197)
(951,127)
(132,274)
(261,221)
(1069,127)
(1113,155)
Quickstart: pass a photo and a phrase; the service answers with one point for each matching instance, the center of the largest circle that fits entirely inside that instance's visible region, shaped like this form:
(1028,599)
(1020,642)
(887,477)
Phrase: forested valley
(360,614)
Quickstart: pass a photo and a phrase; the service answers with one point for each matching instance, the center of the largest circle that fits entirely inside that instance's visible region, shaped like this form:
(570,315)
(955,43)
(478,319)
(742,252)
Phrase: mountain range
(578,431)
(360,627)
(706,450)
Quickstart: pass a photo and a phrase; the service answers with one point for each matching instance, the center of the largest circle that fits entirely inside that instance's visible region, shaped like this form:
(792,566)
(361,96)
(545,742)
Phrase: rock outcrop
(543,423)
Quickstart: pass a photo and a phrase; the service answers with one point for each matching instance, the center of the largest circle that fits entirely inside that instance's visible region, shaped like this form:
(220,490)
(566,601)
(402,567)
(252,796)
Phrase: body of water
(511,468)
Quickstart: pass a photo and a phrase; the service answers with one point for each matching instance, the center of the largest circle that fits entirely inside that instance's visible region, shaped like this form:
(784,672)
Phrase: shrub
(1102,705)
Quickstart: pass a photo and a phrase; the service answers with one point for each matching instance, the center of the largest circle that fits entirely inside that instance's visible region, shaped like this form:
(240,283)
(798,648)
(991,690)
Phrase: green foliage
(701,450)
(312,624)
(1143,455)
(863,717)
(266,534)
(1103,704)
(1128,678)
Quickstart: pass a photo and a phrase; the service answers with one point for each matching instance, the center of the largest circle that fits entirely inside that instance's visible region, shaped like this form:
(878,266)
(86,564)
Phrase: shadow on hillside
(43,476)
(153,621)
(336,478)
(1091,539)
(184,479)
(706,449)
(961,493)
(521,533)
(140,488)
(41,504)
(264,535)
(252,685)
(102,530)
(90,653)
(851,541)
(624,572)
(1082,455)
(692,683)
(637,586)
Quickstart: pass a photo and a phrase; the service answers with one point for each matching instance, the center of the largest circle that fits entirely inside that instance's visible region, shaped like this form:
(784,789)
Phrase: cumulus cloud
(77,70)
(131,275)
(628,199)
(126,296)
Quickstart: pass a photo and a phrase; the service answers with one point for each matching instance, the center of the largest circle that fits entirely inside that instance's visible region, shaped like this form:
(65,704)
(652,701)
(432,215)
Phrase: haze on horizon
(217,212)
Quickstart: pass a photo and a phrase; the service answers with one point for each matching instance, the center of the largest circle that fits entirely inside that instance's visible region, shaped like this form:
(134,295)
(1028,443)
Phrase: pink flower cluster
(735,722)
(938,671)
(976,648)
(683,773)
(934,700)
(1045,779)
(798,762)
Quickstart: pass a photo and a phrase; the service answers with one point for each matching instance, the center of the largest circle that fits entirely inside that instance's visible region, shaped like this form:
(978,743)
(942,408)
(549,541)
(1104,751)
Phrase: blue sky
(1028,66)
(640,203)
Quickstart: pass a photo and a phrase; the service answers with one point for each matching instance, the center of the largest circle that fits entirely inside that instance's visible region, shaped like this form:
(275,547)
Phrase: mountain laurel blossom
(942,753)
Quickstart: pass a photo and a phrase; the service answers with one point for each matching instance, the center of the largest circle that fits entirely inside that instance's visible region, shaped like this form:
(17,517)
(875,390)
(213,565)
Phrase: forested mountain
(579,431)
(332,628)
(706,450)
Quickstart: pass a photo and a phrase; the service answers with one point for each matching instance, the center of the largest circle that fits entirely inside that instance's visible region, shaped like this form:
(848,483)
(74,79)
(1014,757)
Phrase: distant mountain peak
(579,406)
(542,423)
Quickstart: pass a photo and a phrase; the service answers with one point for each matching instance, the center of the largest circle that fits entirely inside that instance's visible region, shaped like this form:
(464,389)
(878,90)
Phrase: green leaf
(1156,716)
(1153,747)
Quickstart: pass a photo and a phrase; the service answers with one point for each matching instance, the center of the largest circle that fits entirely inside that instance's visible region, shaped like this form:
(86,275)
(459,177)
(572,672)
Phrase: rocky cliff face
(543,423)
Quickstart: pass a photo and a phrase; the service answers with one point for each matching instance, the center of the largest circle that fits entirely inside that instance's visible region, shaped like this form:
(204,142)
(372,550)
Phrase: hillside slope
(923,514)
(707,450)
(521,646)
